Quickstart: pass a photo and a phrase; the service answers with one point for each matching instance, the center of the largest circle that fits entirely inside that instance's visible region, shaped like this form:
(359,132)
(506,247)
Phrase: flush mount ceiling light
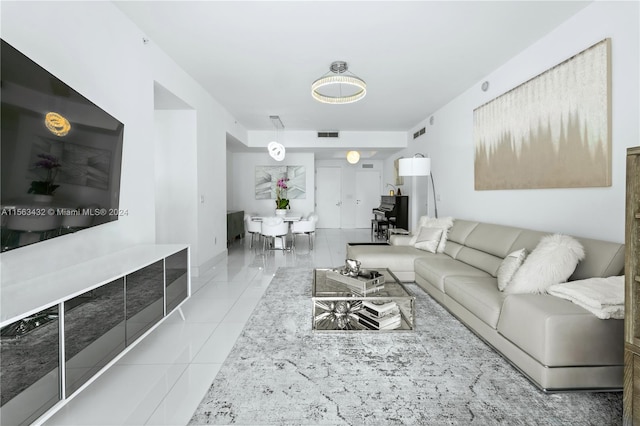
(337,87)
(276,150)
(57,124)
(353,157)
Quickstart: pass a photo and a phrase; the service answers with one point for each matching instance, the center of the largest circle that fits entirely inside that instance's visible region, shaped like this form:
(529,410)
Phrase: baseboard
(208,264)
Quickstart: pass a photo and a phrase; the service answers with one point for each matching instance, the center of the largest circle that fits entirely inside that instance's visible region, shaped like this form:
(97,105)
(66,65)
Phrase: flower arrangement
(51,165)
(281,193)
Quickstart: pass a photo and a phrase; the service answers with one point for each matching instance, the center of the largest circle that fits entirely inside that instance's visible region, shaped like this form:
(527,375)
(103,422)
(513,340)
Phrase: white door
(328,196)
(367,196)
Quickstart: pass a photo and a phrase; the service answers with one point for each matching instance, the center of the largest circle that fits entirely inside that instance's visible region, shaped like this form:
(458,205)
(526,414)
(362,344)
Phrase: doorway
(329,197)
(367,196)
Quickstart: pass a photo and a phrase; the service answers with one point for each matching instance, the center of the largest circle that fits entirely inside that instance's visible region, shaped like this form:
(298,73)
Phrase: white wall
(175,144)
(243,185)
(116,70)
(211,122)
(588,212)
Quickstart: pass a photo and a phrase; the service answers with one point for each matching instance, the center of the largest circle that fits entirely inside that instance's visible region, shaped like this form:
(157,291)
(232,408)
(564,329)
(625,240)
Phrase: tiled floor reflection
(163,378)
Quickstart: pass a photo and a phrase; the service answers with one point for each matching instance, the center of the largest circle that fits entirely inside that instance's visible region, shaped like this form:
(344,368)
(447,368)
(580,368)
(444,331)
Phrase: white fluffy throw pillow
(428,239)
(552,261)
(509,266)
(444,223)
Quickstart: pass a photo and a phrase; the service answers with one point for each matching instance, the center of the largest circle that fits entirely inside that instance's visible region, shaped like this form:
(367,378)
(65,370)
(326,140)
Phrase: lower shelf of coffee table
(340,313)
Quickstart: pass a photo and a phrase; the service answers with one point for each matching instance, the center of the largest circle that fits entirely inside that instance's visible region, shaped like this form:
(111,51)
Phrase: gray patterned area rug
(281,373)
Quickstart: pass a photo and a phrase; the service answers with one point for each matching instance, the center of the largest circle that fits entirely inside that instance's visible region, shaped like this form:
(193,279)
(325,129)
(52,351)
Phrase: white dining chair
(272,228)
(305,227)
(253,227)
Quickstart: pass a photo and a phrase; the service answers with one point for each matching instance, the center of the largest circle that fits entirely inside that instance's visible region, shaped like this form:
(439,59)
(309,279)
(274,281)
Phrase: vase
(281,212)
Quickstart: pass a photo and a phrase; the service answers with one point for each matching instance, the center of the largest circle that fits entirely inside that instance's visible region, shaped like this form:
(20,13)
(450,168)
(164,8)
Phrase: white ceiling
(260,58)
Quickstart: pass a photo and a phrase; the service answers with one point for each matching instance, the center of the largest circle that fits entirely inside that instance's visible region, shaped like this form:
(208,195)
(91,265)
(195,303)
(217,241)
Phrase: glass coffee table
(340,307)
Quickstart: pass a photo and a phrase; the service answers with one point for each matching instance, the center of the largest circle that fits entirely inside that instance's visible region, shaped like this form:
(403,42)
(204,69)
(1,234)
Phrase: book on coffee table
(379,308)
(388,321)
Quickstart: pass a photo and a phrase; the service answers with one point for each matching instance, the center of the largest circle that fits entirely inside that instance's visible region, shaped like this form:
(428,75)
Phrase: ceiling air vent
(419,133)
(328,134)
(367,166)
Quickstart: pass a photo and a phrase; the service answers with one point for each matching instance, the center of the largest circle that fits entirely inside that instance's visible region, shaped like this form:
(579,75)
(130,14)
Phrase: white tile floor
(162,379)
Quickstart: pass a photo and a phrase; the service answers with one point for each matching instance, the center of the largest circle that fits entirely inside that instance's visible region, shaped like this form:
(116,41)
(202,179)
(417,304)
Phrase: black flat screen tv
(60,156)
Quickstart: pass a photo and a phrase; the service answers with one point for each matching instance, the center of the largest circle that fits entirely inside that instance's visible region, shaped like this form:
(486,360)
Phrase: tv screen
(60,155)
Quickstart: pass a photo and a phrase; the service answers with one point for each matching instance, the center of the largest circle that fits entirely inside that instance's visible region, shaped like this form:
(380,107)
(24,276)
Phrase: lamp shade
(415,166)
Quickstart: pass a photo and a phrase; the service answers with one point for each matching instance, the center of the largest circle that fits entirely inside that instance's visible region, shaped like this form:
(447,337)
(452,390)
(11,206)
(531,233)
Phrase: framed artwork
(396,169)
(267,177)
(554,131)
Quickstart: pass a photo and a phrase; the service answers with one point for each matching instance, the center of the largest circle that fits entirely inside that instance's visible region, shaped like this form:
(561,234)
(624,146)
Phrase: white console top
(21,298)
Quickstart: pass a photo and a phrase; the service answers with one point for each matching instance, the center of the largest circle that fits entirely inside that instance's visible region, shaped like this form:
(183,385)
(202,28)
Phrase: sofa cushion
(558,333)
(460,230)
(452,248)
(480,259)
(602,259)
(480,295)
(493,239)
(396,258)
(436,268)
(527,239)
(400,240)
(552,261)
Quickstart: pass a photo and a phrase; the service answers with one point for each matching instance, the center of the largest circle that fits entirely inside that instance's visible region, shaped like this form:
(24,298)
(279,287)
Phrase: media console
(63,329)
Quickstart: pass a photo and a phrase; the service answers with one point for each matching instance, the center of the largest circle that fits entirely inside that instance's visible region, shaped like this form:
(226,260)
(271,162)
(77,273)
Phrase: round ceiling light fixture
(276,151)
(353,157)
(336,87)
(57,124)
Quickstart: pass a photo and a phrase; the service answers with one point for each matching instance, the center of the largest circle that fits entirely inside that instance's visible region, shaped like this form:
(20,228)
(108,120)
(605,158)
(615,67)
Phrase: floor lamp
(417,165)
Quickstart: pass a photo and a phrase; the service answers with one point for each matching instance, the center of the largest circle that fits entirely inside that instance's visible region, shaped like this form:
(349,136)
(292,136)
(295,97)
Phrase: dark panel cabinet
(144,292)
(94,332)
(177,279)
(105,307)
(29,367)
(235,225)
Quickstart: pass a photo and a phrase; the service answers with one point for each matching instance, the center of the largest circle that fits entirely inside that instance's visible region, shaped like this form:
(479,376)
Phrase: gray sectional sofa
(557,344)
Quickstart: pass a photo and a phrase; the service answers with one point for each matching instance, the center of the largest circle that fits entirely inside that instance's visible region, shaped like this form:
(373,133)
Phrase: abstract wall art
(399,180)
(267,177)
(554,131)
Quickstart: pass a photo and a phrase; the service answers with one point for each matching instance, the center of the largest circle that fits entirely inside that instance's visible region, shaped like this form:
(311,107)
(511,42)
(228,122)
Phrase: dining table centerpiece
(282,203)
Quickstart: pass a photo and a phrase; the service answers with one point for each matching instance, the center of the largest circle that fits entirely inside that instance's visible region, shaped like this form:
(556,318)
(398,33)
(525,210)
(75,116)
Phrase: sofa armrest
(399,240)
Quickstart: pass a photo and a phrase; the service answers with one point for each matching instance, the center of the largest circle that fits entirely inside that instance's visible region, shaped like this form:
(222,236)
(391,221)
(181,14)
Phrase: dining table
(290,218)
(286,218)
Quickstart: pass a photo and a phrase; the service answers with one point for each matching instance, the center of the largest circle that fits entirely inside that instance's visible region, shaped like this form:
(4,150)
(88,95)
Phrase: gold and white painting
(554,131)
